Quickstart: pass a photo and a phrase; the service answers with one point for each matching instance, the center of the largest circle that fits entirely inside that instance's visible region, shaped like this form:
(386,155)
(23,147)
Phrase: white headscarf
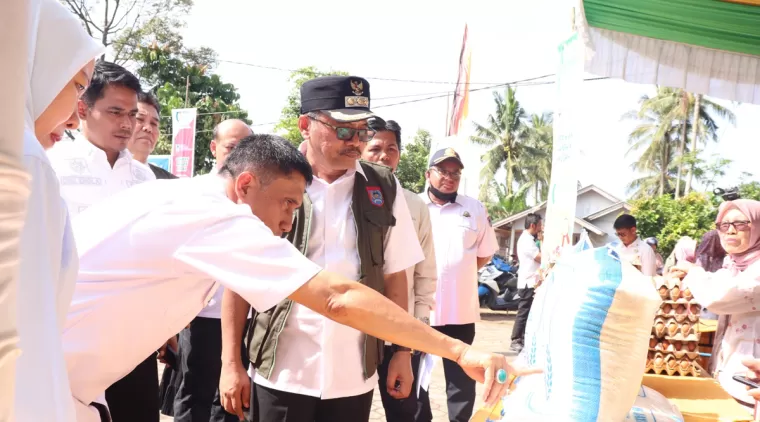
(58,48)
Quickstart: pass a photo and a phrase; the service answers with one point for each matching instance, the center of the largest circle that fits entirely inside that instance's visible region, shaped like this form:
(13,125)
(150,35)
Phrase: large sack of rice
(651,406)
(589,330)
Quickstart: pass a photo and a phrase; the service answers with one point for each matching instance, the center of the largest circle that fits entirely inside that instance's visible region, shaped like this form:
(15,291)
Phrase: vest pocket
(380,222)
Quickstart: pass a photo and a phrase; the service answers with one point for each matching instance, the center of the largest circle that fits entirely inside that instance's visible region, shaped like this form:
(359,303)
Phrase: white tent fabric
(721,74)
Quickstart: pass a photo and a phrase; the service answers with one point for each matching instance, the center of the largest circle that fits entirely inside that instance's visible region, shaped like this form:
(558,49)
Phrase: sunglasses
(348,133)
(740,226)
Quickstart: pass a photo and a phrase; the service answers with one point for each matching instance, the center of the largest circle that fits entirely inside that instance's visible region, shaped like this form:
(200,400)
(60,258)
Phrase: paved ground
(492,333)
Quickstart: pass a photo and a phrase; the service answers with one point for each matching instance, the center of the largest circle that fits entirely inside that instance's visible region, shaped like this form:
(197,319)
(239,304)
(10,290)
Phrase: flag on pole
(462,92)
(183,141)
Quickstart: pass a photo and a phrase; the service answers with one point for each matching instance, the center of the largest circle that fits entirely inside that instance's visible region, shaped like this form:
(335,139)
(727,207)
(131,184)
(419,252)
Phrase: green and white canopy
(709,47)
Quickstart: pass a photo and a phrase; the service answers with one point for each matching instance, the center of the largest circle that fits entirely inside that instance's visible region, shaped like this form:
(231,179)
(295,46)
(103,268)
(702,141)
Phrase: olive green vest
(372,208)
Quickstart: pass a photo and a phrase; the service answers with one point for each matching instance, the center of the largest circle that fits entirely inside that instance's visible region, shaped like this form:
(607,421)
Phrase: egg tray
(679,349)
(667,363)
(670,329)
(681,310)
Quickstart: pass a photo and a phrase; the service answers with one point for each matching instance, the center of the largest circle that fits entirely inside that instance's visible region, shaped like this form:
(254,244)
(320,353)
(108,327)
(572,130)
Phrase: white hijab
(58,48)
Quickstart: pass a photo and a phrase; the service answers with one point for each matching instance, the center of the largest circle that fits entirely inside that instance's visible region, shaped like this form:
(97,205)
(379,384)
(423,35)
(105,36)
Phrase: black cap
(344,98)
(445,154)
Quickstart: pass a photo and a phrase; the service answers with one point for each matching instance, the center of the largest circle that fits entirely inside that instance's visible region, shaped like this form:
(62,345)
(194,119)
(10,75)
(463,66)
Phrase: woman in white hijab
(60,63)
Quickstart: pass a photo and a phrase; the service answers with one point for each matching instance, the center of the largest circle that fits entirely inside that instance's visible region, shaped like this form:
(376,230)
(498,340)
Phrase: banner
(563,191)
(163,161)
(462,92)
(183,142)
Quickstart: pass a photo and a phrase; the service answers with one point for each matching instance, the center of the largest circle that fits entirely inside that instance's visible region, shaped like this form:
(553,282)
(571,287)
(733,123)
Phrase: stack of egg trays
(673,346)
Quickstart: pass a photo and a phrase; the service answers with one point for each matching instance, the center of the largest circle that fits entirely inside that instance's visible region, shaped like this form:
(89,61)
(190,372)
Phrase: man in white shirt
(385,148)
(200,345)
(464,242)
(529,257)
(631,248)
(151,257)
(97,163)
(308,368)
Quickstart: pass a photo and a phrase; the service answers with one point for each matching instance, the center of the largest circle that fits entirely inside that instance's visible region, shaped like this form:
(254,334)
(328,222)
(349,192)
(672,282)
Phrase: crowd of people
(313,267)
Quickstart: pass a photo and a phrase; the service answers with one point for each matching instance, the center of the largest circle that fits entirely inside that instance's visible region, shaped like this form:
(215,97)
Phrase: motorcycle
(497,285)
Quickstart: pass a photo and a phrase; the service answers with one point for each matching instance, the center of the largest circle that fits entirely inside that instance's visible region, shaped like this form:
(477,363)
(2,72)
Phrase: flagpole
(448,113)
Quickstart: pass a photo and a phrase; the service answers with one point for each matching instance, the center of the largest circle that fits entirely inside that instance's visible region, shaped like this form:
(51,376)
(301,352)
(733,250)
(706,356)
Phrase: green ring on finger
(501,376)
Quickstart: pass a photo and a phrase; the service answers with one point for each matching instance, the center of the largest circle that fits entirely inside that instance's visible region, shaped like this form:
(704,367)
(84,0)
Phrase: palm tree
(666,120)
(505,134)
(504,204)
(538,158)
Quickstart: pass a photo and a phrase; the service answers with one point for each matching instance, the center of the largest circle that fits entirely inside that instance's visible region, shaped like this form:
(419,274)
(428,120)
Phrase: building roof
(512,218)
(612,208)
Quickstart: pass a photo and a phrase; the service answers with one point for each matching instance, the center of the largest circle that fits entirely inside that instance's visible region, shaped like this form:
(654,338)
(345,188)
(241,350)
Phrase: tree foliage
(503,204)
(287,127)
(166,72)
(125,25)
(414,162)
(669,219)
(519,144)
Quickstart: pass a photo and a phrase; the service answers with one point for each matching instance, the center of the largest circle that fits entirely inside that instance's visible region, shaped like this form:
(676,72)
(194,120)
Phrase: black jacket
(161,173)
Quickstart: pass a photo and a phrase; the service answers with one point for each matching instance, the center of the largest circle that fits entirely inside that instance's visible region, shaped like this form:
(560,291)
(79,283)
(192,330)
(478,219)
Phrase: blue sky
(420,40)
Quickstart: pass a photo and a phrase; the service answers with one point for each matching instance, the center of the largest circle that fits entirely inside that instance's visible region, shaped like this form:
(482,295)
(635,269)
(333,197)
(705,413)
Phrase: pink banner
(183,142)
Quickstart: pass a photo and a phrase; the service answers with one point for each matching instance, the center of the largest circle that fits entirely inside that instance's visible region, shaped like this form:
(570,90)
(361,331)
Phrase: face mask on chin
(447,197)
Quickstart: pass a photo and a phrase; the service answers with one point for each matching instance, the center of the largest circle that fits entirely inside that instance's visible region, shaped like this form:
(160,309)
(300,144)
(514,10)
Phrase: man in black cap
(354,221)
(464,242)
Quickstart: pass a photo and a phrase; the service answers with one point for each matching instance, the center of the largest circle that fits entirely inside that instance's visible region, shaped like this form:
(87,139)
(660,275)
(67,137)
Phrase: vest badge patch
(375,196)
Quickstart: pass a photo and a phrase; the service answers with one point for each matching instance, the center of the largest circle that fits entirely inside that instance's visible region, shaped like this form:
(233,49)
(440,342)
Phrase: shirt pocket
(378,224)
(469,230)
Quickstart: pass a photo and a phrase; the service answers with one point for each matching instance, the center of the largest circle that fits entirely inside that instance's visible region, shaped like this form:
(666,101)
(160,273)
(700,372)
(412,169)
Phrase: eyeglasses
(740,226)
(451,175)
(348,133)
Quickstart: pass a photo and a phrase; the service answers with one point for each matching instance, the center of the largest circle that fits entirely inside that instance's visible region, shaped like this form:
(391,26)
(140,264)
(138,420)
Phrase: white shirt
(639,253)
(422,276)
(736,294)
(527,251)
(316,356)
(86,176)
(48,273)
(462,235)
(149,261)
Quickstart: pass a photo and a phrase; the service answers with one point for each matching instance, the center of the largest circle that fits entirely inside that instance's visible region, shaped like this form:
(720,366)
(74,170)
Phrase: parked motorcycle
(497,285)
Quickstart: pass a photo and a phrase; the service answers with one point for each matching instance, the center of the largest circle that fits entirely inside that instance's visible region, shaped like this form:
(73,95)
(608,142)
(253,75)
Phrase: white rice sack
(651,406)
(589,330)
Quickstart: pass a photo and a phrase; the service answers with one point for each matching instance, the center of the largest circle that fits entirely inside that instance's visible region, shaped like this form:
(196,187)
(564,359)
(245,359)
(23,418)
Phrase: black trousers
(523,309)
(270,405)
(460,388)
(409,409)
(200,362)
(135,397)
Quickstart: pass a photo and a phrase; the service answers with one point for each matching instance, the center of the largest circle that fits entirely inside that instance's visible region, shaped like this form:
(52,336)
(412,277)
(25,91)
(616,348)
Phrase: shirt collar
(88,146)
(426,198)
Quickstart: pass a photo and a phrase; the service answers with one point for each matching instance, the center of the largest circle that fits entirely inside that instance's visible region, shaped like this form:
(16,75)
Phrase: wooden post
(187,92)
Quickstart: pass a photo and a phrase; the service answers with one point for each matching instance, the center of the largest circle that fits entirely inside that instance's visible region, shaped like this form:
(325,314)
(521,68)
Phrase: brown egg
(675,293)
(685,365)
(659,329)
(692,346)
(680,310)
(667,308)
(652,343)
(665,344)
(687,294)
(663,292)
(672,364)
(672,329)
(677,345)
(658,361)
(685,328)
(694,309)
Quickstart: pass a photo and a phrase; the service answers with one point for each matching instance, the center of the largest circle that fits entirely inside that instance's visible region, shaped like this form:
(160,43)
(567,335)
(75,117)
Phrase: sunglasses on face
(348,133)
(451,175)
(740,226)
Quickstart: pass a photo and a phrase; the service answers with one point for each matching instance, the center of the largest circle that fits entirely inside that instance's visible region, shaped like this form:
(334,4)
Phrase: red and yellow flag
(462,92)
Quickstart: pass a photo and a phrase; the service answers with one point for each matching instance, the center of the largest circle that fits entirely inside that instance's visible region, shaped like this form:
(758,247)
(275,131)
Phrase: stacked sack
(589,330)
(674,344)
